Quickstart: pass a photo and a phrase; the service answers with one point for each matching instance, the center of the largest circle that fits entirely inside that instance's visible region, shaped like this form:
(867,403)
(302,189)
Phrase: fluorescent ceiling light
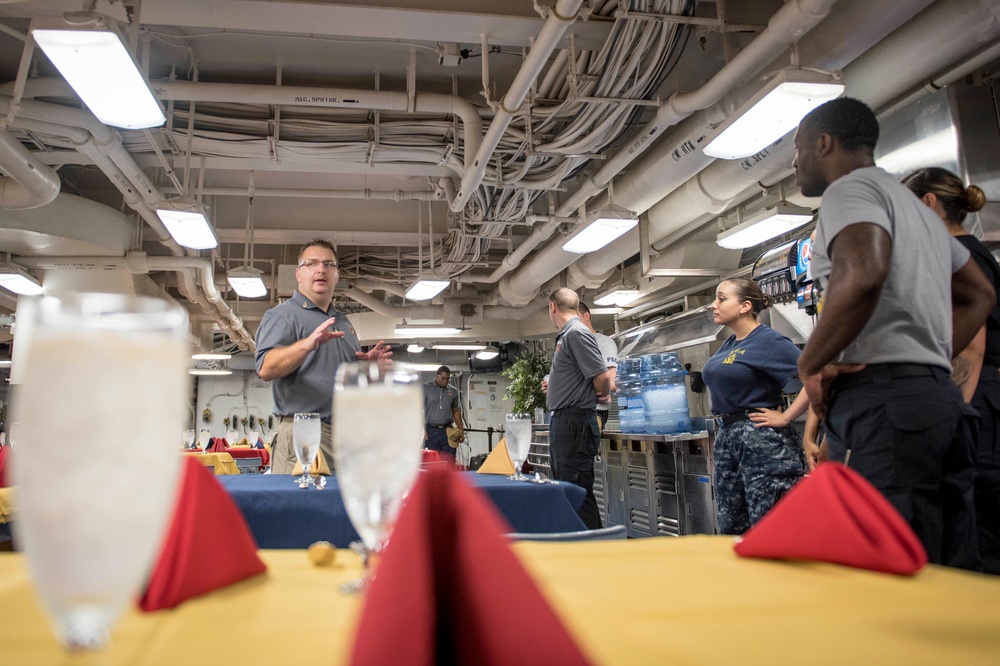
(5,363)
(460,347)
(488,353)
(425,331)
(418,367)
(414,348)
(765,225)
(247,282)
(603,227)
(425,289)
(186,222)
(94,61)
(211,357)
(773,112)
(19,281)
(620,296)
(209,371)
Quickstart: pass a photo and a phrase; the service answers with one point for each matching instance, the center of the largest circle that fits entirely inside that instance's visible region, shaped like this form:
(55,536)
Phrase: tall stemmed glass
(307,430)
(378,418)
(94,501)
(518,435)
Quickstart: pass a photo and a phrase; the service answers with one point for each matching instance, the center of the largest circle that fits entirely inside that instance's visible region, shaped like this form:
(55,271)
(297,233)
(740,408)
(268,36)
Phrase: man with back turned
(897,296)
(578,379)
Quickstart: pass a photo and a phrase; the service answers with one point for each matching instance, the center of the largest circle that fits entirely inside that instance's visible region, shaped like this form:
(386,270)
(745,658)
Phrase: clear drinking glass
(307,431)
(518,427)
(378,426)
(94,500)
(203,439)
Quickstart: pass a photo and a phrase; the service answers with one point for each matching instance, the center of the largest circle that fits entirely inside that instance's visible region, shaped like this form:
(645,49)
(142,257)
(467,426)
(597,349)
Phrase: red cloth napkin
(4,459)
(835,515)
(449,590)
(217,445)
(209,544)
(431,456)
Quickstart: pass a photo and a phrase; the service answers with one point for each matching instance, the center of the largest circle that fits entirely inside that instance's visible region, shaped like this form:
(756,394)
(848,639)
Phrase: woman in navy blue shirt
(758,455)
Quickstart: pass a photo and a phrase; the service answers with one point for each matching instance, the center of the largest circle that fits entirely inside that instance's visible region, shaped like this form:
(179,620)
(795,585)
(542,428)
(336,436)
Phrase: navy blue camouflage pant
(754,468)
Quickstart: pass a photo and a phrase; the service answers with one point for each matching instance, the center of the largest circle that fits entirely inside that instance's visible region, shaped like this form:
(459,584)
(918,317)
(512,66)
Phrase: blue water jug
(664,394)
(630,414)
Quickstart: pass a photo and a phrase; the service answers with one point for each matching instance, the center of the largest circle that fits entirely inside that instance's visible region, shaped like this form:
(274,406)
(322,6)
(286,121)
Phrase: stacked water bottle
(630,414)
(652,395)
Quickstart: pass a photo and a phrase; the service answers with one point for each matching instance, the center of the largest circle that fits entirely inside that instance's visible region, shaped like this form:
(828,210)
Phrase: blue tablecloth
(281,515)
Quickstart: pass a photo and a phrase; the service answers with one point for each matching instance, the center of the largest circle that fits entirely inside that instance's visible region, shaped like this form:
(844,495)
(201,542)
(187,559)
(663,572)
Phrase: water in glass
(518,435)
(307,429)
(94,498)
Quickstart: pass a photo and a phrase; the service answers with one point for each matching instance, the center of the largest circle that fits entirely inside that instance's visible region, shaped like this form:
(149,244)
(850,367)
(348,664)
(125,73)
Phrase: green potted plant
(526,374)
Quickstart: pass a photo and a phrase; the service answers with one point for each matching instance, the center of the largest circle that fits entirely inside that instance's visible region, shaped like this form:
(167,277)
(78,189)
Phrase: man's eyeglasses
(313,264)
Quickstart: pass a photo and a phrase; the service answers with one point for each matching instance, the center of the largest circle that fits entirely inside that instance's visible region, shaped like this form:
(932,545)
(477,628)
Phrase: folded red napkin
(431,456)
(4,458)
(449,590)
(835,515)
(208,546)
(217,445)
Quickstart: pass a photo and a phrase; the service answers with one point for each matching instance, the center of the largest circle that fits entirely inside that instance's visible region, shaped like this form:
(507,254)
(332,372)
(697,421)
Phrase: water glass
(518,435)
(378,426)
(307,430)
(94,502)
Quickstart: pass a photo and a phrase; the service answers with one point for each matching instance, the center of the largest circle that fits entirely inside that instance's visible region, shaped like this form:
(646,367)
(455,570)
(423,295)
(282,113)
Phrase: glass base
(83,629)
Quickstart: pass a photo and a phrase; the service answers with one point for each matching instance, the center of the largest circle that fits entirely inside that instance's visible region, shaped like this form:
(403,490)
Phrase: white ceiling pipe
(368,286)
(296,193)
(373,100)
(663,165)
(560,18)
(404,311)
(28,183)
(786,27)
(943,29)
(539,234)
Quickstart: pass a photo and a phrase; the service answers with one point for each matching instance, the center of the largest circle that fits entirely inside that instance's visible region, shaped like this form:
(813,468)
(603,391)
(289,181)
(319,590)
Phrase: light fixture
(210,371)
(95,62)
(185,220)
(602,227)
(247,282)
(620,295)
(426,288)
(773,112)
(459,347)
(18,280)
(414,348)
(211,357)
(405,329)
(765,225)
(488,354)
(418,367)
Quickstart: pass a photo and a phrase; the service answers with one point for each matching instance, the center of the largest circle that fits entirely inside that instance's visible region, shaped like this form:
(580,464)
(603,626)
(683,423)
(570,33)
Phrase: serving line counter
(632,609)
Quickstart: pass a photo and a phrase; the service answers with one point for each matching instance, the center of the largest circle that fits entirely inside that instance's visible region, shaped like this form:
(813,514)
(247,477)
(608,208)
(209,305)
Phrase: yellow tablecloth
(649,601)
(6,504)
(221,463)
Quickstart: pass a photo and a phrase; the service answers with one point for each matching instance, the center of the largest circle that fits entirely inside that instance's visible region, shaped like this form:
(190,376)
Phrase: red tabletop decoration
(4,460)
(449,590)
(835,515)
(209,544)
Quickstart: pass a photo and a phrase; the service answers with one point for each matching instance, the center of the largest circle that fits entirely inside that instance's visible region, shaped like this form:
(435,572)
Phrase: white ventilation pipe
(951,30)
(303,193)
(663,162)
(561,16)
(372,100)
(28,183)
(104,146)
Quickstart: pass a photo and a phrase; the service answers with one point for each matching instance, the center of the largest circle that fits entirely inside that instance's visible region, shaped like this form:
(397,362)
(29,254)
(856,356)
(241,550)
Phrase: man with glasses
(300,344)
(442,407)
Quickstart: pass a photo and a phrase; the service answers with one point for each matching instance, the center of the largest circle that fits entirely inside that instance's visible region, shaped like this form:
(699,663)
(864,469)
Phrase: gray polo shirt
(310,387)
(609,350)
(439,403)
(575,362)
(912,323)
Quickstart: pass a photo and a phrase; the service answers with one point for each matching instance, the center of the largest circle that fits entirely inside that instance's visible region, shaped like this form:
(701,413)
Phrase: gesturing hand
(323,334)
(380,353)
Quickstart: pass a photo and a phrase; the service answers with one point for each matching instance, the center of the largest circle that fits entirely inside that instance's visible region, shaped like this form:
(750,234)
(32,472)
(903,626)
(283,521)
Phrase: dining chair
(248,465)
(602,534)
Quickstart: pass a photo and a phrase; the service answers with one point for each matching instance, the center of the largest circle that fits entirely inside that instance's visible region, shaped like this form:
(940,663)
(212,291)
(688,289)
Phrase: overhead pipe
(297,193)
(952,30)
(560,17)
(104,144)
(29,183)
(664,163)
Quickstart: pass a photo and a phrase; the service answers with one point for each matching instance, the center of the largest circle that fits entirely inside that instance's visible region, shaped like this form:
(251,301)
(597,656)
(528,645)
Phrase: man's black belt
(877,371)
(434,425)
(733,417)
(574,411)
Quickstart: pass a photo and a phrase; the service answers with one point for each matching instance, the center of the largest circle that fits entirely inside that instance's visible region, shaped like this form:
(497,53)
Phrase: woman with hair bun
(758,455)
(974,369)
